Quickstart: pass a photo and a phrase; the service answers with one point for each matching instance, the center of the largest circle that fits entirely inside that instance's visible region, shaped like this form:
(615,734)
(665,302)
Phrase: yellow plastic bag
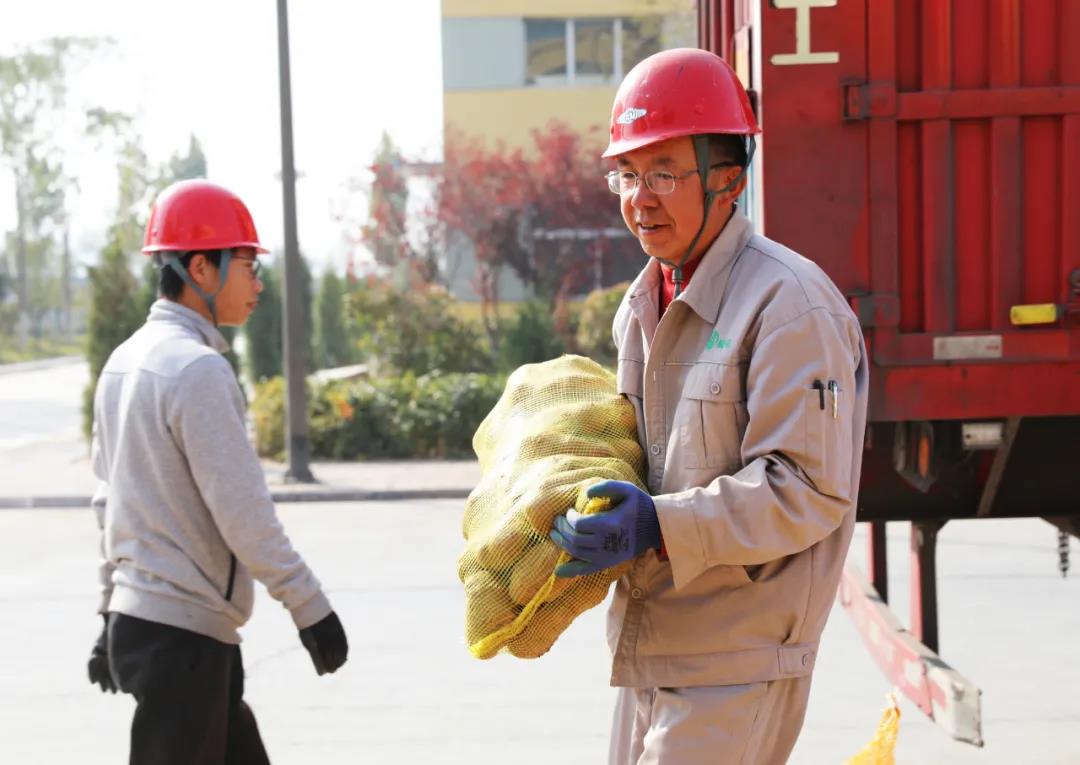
(880,750)
(558,428)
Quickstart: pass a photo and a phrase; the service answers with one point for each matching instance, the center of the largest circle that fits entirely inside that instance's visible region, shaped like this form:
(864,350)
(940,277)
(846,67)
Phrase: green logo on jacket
(715,341)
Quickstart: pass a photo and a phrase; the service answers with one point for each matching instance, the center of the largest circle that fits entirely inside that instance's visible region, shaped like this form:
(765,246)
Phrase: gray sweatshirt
(186,515)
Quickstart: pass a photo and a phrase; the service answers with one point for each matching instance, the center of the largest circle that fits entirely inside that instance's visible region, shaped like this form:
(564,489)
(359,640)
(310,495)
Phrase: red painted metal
(892,656)
(942,145)
(715,28)
(1006,253)
(923,617)
(877,556)
(986,391)
(942,693)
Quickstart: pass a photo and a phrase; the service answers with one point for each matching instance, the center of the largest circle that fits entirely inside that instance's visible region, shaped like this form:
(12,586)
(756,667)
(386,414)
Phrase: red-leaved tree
(573,212)
(544,212)
(386,231)
(480,197)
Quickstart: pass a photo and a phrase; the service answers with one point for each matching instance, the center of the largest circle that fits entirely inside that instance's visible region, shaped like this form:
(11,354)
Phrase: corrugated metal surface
(927,154)
(984,209)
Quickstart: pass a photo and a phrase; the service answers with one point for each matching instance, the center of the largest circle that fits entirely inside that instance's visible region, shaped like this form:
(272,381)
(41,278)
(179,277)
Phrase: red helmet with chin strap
(684,92)
(679,92)
(198,215)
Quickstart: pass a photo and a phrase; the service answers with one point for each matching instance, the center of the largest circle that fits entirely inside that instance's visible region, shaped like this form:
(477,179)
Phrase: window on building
(642,37)
(545,52)
(593,51)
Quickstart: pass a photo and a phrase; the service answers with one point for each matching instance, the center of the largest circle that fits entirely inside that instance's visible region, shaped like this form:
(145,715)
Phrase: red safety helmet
(684,91)
(197,215)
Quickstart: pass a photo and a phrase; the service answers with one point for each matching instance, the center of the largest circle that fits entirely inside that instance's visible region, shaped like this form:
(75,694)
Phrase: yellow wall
(510,115)
(558,8)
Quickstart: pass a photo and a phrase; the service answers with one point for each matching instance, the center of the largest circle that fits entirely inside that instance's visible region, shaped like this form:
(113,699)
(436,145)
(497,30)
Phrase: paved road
(41,446)
(41,404)
(412,694)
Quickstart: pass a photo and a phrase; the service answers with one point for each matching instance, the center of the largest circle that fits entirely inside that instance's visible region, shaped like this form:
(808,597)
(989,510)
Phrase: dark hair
(170,285)
(724,147)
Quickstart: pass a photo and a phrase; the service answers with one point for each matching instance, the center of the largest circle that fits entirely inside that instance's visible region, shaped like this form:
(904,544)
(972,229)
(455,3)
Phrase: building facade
(510,67)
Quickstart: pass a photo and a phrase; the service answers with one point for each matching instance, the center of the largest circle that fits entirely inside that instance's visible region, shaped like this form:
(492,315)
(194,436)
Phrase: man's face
(665,224)
(242,287)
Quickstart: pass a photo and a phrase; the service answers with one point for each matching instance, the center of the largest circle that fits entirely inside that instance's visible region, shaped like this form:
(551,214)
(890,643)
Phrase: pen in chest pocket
(835,390)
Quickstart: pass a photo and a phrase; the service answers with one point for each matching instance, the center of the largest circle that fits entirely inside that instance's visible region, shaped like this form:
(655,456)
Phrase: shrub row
(432,415)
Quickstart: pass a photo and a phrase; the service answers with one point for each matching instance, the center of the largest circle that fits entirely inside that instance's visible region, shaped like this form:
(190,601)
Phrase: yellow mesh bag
(880,750)
(558,428)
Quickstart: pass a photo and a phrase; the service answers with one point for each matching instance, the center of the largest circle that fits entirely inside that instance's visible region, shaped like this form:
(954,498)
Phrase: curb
(284,497)
(17,367)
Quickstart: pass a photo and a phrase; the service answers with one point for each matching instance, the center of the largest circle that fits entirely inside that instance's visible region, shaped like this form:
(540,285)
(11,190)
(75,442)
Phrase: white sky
(210,67)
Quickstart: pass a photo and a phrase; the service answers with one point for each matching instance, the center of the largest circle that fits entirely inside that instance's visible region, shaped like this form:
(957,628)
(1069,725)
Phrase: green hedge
(594,323)
(433,415)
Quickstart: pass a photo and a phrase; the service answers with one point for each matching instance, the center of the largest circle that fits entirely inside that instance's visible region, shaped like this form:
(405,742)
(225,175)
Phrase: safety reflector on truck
(1036,313)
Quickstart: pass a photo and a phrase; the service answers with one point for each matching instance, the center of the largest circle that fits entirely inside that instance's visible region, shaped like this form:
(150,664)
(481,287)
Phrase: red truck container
(926,153)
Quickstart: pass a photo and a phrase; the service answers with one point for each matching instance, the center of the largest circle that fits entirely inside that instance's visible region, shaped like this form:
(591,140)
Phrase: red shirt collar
(667,286)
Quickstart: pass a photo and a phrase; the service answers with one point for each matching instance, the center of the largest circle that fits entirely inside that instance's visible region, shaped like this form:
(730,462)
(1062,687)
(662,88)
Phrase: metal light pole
(297,442)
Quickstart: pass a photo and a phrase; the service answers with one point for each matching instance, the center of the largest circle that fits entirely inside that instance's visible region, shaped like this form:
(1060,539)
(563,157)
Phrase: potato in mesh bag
(552,619)
(558,428)
(493,607)
(532,570)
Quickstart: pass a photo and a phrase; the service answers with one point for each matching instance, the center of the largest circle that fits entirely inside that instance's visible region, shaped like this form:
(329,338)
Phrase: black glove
(326,642)
(98,666)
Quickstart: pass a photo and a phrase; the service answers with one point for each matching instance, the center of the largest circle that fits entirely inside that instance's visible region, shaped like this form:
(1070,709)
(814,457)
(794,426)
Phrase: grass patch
(467,310)
(507,309)
(41,348)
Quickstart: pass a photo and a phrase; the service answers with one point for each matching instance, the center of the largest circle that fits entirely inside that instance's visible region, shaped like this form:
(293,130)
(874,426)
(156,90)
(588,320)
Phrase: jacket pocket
(232,577)
(827,457)
(712,417)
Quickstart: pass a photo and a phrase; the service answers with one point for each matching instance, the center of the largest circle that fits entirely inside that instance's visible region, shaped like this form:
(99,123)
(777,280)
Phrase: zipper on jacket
(232,576)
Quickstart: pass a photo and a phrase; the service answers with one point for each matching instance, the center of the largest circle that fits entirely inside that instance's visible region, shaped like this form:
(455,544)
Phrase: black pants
(189,691)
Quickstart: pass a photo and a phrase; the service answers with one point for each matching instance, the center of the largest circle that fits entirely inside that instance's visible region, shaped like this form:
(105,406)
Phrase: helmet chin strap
(171,260)
(701,151)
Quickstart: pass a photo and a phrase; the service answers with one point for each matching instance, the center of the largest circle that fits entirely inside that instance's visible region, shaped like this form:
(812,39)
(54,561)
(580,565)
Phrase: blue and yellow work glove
(609,537)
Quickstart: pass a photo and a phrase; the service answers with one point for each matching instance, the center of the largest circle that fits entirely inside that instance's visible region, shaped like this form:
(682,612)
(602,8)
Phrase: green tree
(8,307)
(113,314)
(263,329)
(190,165)
(594,323)
(44,223)
(530,337)
(137,182)
(414,329)
(33,106)
(265,356)
(333,347)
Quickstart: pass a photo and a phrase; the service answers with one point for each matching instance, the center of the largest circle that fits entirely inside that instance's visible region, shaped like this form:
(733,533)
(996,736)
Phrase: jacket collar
(706,290)
(170,311)
(644,299)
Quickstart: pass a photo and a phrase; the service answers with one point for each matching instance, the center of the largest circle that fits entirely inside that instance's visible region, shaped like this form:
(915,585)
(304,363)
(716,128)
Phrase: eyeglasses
(659,182)
(253,263)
